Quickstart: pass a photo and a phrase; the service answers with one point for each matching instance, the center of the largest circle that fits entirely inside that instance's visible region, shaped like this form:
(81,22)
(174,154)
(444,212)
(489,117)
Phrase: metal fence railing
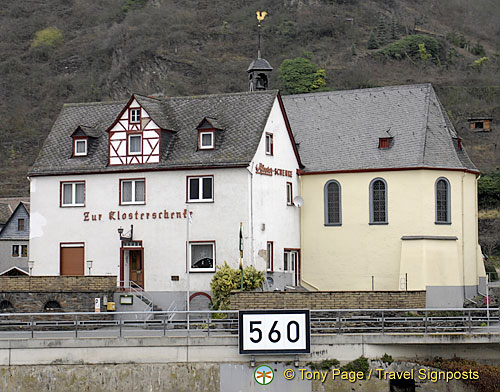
(225,323)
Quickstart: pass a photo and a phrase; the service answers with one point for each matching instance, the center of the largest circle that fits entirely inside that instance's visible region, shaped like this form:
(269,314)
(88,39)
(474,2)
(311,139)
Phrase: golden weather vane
(261,15)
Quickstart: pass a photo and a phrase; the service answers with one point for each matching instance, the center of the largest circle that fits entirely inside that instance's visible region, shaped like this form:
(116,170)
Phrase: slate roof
(4,213)
(335,131)
(4,234)
(339,130)
(9,204)
(259,64)
(89,131)
(213,122)
(243,116)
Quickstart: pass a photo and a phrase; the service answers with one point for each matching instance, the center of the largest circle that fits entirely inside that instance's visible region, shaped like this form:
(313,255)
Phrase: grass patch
(493,213)
(386,358)
(489,376)
(327,364)
(358,365)
(494,260)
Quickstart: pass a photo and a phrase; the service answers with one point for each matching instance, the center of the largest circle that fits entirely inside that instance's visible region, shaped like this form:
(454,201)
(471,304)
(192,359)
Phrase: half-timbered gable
(134,137)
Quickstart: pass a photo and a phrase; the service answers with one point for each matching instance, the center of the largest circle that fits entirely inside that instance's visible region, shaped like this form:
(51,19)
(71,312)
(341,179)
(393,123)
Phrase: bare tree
(489,235)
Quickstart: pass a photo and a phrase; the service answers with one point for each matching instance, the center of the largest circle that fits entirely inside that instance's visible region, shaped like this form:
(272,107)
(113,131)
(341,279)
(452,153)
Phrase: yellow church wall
(355,254)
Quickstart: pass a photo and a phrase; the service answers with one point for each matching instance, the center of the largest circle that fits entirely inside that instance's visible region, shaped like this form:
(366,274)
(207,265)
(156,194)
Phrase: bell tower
(259,69)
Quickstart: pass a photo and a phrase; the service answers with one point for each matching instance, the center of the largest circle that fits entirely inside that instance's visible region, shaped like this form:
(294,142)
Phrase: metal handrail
(225,323)
(138,292)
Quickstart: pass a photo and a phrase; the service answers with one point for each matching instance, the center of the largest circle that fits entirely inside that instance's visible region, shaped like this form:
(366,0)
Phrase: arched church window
(443,213)
(378,201)
(333,211)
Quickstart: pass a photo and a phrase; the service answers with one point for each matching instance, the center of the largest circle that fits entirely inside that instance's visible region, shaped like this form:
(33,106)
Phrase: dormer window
(135,116)
(206,140)
(208,128)
(459,144)
(384,142)
(80,147)
(135,144)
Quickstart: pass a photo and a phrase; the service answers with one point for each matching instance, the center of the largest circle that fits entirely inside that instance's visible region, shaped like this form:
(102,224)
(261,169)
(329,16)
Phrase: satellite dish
(298,201)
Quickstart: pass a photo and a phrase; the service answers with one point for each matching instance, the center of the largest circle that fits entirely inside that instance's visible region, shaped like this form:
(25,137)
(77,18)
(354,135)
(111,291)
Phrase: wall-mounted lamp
(89,265)
(128,236)
(31,263)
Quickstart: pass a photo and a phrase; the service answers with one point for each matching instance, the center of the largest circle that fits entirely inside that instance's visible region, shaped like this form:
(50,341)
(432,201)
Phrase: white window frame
(292,256)
(193,269)
(289,194)
(200,189)
(212,137)
(269,141)
(24,246)
(135,113)
(270,256)
(133,196)
(18,250)
(73,194)
(80,154)
(129,144)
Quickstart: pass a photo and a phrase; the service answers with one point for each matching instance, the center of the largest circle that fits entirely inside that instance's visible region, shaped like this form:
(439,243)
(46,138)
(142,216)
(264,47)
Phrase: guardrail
(225,323)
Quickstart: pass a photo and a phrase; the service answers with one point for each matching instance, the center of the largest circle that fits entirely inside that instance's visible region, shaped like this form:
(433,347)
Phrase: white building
(141,166)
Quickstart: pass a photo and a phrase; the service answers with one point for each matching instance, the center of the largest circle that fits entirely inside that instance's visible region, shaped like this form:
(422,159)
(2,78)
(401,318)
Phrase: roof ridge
(273,91)
(148,97)
(360,90)
(72,104)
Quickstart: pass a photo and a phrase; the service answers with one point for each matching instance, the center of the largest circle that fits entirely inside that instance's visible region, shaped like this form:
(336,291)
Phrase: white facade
(160,224)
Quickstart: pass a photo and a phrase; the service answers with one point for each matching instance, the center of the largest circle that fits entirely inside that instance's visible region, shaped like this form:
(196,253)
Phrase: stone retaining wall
(57,283)
(328,300)
(73,293)
(192,377)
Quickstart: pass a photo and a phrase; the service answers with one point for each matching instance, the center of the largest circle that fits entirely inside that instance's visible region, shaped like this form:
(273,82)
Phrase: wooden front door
(136,271)
(72,260)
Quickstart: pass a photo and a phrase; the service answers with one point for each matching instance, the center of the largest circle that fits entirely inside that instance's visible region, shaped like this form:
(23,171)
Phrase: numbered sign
(274,331)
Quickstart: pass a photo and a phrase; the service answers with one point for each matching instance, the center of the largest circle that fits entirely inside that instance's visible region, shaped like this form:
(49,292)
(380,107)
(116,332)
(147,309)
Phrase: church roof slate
(339,130)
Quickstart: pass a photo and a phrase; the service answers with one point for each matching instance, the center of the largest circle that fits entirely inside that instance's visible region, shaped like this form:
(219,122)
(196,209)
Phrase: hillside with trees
(77,50)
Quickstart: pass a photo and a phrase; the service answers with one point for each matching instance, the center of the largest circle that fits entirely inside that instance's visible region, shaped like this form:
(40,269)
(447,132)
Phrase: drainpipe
(299,180)
(477,239)
(463,241)
(250,224)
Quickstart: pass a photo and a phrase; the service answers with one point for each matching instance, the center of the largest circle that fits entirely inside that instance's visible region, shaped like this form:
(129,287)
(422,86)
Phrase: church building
(390,195)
